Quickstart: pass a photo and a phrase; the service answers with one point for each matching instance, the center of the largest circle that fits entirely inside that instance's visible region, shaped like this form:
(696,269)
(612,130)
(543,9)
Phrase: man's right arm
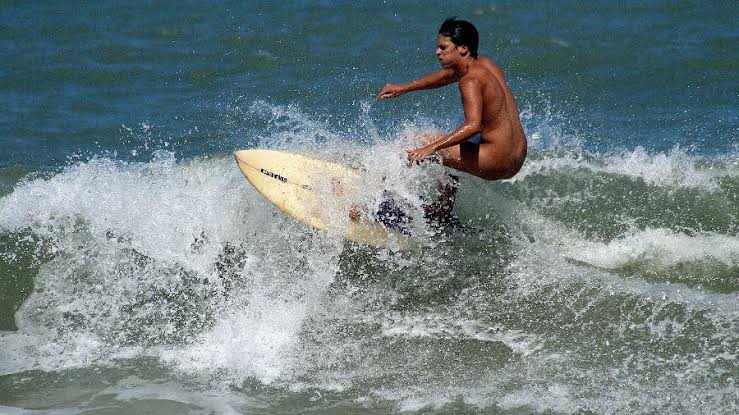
(435,80)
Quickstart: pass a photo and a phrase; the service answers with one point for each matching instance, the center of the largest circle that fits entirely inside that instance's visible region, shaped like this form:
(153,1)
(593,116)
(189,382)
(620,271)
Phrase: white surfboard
(315,192)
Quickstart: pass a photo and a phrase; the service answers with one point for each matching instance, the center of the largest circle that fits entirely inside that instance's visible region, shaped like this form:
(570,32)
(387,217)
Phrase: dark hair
(462,33)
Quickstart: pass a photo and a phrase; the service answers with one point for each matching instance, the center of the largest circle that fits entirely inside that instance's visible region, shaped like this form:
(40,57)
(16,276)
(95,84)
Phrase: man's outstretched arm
(435,80)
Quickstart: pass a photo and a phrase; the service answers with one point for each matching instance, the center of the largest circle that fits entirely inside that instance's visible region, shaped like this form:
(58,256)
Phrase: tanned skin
(489,110)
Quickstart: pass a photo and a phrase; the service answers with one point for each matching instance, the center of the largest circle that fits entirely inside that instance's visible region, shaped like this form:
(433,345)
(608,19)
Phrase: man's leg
(441,210)
(464,157)
(486,161)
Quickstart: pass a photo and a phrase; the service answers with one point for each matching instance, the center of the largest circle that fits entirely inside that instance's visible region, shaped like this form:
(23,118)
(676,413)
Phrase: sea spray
(576,269)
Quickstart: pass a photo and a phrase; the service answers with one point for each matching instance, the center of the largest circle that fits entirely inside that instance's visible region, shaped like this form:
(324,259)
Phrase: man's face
(447,51)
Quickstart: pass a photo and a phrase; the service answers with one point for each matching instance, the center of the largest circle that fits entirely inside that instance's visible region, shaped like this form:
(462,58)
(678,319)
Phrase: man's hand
(420,153)
(355,213)
(391,91)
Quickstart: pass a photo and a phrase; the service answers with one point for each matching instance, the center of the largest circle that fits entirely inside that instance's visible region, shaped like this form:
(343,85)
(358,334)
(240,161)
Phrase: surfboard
(317,193)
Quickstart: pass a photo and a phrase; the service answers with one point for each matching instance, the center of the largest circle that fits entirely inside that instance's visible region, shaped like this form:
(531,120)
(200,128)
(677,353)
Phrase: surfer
(490,143)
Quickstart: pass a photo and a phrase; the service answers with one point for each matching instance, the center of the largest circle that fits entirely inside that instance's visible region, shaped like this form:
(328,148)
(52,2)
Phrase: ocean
(140,272)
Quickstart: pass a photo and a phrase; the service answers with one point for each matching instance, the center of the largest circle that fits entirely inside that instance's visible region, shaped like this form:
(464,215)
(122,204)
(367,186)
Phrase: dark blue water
(140,272)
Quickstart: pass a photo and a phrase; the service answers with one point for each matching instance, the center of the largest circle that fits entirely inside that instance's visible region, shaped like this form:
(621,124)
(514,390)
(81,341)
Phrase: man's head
(461,33)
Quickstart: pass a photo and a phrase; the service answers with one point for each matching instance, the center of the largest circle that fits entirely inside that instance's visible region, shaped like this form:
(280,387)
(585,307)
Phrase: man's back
(501,125)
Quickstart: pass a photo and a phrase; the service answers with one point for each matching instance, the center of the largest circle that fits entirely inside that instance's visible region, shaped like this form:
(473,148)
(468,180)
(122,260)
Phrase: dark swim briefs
(475,139)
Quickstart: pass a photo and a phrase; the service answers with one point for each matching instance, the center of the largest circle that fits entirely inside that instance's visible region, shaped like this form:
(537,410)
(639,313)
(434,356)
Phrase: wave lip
(675,168)
(661,248)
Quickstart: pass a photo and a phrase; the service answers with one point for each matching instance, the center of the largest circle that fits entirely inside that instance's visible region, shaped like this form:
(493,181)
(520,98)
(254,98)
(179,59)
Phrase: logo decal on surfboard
(273,175)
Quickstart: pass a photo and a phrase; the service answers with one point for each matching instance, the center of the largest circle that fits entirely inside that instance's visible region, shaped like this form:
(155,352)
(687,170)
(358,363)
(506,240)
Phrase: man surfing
(490,143)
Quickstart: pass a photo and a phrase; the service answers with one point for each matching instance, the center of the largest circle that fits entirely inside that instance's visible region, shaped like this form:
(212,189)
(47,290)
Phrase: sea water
(140,273)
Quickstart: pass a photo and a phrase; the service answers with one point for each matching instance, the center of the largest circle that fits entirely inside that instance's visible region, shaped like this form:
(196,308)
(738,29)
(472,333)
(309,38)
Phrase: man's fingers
(388,91)
(413,157)
(383,92)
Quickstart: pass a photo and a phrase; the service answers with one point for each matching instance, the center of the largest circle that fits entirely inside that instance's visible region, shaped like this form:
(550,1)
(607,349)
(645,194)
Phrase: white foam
(661,248)
(434,325)
(554,397)
(675,168)
(534,274)
(257,332)
(485,394)
(123,232)
(133,200)
(134,389)
(251,343)
(543,125)
(96,212)
(14,354)
(292,128)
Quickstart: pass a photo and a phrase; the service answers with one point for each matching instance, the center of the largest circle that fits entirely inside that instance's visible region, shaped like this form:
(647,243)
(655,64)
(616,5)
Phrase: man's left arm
(472,105)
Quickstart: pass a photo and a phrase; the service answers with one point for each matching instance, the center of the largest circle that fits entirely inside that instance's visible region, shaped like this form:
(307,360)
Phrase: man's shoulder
(488,63)
(470,79)
(481,72)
